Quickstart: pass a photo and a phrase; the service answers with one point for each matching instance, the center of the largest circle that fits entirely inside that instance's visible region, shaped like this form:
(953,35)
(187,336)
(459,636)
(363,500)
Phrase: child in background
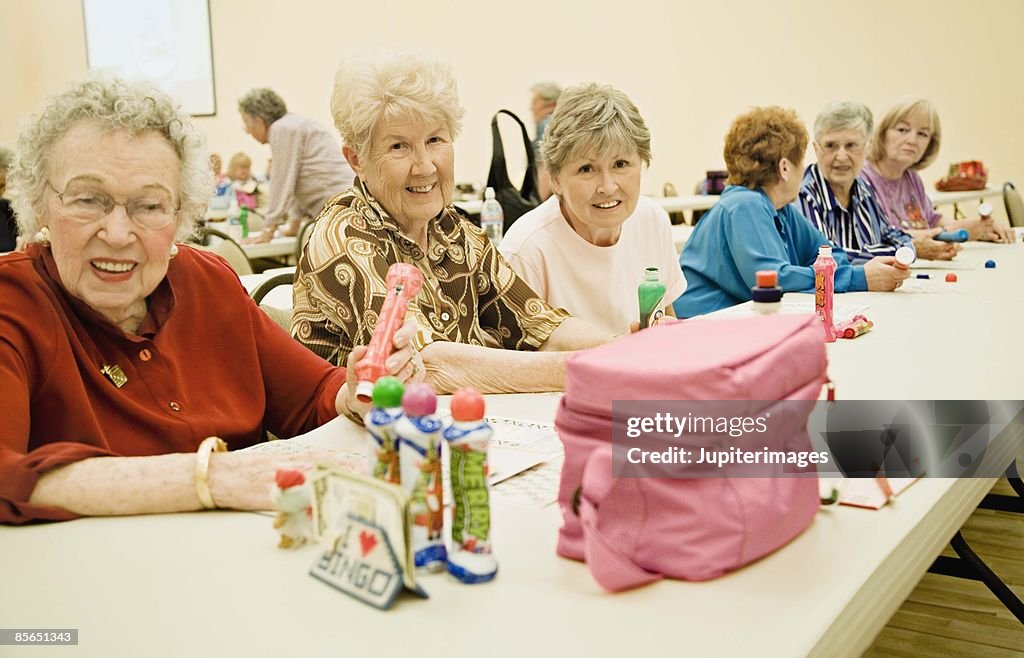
(242,181)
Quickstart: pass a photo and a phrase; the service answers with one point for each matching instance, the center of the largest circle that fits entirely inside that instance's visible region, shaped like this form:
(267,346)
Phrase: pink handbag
(631,531)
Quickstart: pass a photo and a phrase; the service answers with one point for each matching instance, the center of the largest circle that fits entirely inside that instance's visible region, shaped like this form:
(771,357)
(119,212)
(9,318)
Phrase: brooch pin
(114,374)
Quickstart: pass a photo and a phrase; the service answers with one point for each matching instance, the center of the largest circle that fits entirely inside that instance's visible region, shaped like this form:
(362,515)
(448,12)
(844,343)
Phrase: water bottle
(492,219)
(234,220)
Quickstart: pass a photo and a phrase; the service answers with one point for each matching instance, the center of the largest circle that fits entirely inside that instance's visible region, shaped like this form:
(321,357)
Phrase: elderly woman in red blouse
(121,350)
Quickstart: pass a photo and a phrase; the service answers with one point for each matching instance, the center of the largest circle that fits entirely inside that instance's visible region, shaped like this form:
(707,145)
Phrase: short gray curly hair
(374,89)
(112,104)
(263,103)
(593,118)
(843,115)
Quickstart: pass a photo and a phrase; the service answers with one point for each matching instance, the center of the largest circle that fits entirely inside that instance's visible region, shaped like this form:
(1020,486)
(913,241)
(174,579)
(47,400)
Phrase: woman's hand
(987,230)
(929,248)
(405,363)
(882,276)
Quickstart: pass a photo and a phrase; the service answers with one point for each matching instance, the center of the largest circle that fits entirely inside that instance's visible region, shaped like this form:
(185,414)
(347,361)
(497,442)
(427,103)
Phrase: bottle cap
(905,256)
(767,278)
(467,404)
(651,274)
(489,193)
(419,400)
(985,209)
(387,392)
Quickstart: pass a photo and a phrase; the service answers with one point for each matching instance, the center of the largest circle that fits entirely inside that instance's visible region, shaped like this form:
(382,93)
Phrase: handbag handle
(611,568)
(497,177)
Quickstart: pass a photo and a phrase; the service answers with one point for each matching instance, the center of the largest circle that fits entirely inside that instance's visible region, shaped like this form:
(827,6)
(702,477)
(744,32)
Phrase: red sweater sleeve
(19,473)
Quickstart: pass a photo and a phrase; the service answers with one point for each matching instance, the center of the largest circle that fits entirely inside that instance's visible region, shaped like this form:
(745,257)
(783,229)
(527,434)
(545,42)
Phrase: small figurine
(292,501)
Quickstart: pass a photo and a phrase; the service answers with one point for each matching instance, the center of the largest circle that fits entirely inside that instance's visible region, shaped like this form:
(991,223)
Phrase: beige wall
(689,66)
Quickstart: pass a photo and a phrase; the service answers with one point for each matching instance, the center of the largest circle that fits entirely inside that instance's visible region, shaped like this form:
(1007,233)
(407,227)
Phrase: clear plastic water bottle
(492,218)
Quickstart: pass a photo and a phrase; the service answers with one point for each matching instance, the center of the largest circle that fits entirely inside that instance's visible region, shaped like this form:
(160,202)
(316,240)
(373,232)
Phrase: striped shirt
(306,169)
(861,229)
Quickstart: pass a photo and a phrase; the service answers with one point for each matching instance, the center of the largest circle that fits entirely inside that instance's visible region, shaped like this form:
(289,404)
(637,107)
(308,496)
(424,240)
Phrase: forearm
(575,334)
(451,366)
(113,486)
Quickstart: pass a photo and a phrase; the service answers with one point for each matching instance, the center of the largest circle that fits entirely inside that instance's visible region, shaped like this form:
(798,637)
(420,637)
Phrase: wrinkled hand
(987,230)
(931,249)
(882,276)
(405,362)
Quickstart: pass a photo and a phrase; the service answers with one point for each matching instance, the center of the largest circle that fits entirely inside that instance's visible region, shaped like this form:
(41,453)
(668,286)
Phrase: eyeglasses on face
(832,147)
(85,202)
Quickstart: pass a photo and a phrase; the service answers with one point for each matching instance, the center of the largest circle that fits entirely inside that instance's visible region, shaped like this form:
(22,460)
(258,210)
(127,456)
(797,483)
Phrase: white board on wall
(166,42)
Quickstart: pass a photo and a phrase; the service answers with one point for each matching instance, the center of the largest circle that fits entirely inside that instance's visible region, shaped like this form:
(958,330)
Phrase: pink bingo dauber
(404,282)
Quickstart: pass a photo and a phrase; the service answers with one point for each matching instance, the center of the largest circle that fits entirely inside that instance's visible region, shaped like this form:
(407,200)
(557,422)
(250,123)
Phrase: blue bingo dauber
(952,236)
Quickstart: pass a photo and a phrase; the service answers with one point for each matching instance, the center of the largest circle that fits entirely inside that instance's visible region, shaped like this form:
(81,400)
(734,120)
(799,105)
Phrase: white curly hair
(113,104)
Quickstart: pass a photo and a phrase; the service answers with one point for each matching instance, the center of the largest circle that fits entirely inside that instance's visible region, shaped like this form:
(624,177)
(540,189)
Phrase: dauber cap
(387,392)
(767,278)
(419,400)
(467,404)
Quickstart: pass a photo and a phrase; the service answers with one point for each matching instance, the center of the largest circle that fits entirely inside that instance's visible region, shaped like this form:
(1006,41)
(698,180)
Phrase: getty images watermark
(791,438)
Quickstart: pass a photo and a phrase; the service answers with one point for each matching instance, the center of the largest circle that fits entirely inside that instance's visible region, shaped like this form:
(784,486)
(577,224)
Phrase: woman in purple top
(906,140)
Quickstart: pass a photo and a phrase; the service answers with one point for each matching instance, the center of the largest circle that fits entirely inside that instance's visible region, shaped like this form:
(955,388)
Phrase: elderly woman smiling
(121,349)
(843,206)
(907,140)
(399,114)
(755,227)
(586,249)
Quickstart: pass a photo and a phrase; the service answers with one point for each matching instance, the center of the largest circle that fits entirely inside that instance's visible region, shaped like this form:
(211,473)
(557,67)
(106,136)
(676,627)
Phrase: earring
(43,236)
(174,250)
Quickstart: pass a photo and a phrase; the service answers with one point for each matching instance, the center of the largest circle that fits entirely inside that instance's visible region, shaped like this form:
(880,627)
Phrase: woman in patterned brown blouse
(479,323)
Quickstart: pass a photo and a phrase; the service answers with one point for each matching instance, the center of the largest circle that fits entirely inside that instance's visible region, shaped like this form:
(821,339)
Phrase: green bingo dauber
(470,560)
(651,295)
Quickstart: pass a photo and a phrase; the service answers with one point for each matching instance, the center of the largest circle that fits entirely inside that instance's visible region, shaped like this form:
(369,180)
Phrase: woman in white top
(586,248)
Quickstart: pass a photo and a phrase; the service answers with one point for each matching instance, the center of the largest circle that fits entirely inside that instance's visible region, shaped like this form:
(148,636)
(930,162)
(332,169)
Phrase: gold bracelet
(209,445)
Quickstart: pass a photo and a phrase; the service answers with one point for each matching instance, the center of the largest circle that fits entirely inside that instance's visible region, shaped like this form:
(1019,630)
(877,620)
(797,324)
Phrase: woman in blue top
(754,227)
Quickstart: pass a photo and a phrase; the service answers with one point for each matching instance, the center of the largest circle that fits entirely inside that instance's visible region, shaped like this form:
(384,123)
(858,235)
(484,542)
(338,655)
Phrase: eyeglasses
(830,147)
(85,203)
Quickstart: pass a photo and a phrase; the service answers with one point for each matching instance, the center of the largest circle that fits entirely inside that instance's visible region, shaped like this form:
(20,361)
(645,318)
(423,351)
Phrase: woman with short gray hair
(586,248)
(838,202)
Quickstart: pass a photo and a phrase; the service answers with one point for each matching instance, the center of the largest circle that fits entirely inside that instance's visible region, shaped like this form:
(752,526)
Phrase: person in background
(8,225)
(480,324)
(586,248)
(113,361)
(543,100)
(307,168)
(217,165)
(247,188)
(906,140)
(754,226)
(839,203)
